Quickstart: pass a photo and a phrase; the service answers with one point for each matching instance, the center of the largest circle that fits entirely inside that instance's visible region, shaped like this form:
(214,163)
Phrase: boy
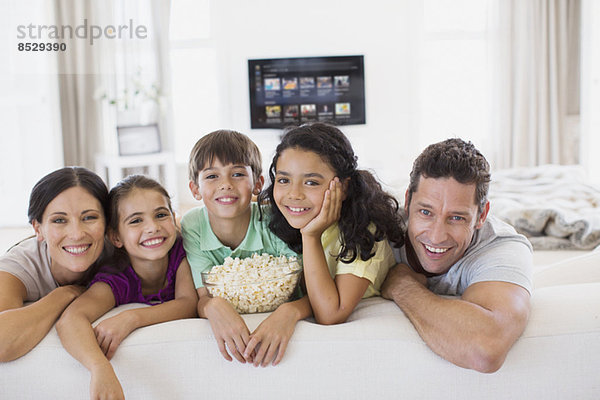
(225,171)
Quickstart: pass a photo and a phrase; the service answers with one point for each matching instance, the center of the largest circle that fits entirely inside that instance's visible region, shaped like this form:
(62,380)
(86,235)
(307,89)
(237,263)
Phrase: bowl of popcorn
(255,284)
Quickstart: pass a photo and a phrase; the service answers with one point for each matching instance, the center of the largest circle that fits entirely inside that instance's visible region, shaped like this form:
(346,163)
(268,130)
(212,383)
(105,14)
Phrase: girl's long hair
(366,202)
(118,259)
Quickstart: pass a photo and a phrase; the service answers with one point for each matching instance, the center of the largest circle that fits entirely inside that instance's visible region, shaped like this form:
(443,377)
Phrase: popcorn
(259,283)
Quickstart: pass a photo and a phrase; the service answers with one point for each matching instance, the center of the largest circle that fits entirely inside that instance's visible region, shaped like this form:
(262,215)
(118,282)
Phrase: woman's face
(73,227)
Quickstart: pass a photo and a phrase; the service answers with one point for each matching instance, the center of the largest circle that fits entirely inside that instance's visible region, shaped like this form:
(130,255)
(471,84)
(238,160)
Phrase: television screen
(292,91)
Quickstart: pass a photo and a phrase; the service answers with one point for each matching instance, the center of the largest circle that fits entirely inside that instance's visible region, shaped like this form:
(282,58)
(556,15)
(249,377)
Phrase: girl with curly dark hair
(336,215)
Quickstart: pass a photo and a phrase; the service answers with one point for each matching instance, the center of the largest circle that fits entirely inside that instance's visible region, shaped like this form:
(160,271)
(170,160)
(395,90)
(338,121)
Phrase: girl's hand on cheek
(330,210)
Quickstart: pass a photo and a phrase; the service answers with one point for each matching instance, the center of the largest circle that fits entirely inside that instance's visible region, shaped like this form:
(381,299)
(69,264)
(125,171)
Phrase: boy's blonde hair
(230,147)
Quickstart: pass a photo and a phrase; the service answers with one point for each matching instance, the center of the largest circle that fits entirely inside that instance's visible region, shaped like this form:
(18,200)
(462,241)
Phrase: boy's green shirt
(204,250)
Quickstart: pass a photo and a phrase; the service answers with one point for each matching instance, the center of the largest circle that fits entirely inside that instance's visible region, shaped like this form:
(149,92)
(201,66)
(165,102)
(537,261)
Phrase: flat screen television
(293,91)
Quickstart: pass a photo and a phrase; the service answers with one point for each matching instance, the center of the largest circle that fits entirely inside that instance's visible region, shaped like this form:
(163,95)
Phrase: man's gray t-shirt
(496,253)
(29,261)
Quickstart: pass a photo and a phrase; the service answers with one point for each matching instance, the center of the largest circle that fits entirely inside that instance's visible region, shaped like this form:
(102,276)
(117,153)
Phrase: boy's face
(226,189)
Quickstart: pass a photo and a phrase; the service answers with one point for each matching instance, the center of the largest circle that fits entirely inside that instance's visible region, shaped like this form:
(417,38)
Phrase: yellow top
(374,269)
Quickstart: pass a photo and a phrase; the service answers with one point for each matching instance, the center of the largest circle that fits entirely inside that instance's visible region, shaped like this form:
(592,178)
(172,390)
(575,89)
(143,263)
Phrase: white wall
(386,33)
(378,30)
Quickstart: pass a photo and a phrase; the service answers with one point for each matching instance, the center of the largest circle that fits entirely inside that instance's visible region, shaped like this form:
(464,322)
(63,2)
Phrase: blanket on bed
(551,204)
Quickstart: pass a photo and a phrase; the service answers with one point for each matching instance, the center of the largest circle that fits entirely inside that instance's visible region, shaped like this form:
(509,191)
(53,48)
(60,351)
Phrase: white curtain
(78,79)
(536,72)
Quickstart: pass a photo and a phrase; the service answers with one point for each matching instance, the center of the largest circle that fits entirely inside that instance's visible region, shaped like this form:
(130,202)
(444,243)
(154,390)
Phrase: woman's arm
(22,328)
(112,331)
(77,336)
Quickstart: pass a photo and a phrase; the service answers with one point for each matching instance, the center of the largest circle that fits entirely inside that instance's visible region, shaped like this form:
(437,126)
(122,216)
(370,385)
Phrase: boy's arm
(274,333)
(112,331)
(229,328)
(77,336)
(22,328)
(227,325)
(475,331)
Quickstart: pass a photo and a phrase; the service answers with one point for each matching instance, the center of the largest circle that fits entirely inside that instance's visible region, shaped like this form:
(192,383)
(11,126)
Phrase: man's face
(442,218)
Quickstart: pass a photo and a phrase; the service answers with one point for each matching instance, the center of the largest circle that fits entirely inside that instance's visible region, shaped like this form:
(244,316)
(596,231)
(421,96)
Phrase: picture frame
(138,139)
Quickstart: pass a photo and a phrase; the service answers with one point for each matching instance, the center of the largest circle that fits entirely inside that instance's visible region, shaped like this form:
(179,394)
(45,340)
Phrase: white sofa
(376,354)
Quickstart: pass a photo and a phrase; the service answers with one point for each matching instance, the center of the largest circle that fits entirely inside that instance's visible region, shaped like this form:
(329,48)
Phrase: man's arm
(475,331)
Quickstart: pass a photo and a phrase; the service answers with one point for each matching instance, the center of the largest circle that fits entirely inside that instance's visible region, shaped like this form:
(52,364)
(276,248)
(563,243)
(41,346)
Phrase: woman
(66,210)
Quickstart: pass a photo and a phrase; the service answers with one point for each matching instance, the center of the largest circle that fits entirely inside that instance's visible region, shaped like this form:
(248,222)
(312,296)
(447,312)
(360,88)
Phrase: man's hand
(395,279)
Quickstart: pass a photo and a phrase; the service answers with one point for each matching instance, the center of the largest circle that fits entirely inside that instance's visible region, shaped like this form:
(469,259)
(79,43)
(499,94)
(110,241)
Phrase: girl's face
(146,226)
(73,227)
(301,179)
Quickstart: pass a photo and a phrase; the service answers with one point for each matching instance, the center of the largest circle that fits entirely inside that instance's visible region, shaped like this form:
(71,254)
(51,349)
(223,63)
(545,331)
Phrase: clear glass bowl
(255,291)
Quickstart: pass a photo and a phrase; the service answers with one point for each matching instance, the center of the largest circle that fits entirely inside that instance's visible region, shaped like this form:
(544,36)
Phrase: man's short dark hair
(453,158)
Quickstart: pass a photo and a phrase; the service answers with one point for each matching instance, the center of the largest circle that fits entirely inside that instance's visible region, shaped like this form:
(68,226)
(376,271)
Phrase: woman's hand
(104,384)
(72,290)
(329,213)
(229,329)
(270,339)
(112,331)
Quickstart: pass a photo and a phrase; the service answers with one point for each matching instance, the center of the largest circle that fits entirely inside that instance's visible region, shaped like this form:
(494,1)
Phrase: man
(453,248)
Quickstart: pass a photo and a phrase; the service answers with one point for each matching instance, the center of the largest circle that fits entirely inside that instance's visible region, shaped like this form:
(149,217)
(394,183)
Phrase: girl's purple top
(127,286)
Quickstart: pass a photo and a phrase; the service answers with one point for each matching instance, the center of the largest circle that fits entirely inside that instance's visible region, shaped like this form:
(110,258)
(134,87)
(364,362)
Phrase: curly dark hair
(453,158)
(366,201)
